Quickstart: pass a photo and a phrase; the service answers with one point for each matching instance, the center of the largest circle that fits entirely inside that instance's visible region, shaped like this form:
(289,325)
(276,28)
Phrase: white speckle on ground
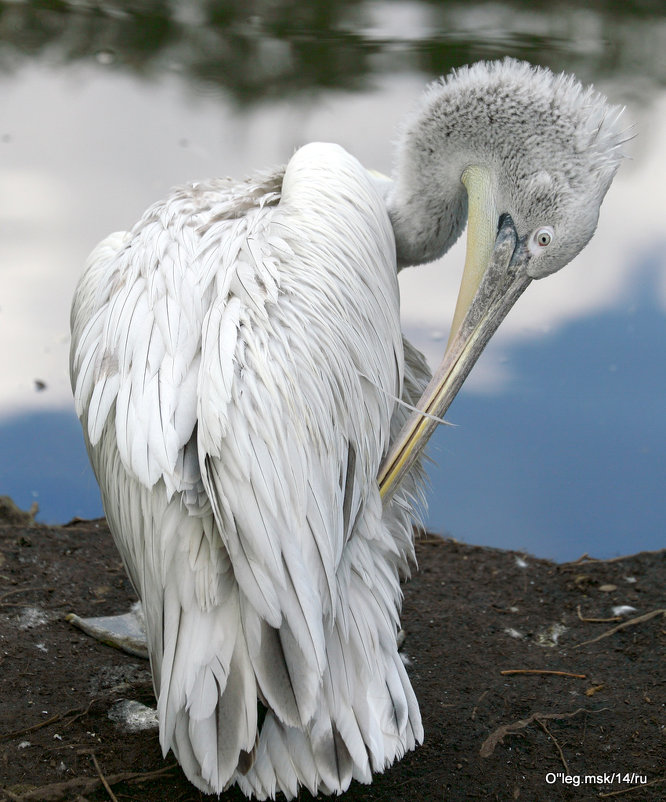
(133,716)
(32,617)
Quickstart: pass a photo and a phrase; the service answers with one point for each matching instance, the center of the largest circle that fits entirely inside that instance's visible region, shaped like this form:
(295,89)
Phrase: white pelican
(237,362)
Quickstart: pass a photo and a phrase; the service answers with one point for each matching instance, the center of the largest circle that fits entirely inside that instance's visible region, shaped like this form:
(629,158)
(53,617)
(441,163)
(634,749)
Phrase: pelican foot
(125,632)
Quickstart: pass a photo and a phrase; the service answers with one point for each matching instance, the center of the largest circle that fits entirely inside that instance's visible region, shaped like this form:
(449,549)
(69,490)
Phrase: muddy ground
(483,630)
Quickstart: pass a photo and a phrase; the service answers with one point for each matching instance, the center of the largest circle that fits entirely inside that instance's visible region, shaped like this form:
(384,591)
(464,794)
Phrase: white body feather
(235,360)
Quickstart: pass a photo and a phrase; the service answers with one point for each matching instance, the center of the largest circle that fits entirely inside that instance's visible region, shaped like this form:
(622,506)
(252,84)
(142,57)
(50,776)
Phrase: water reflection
(44,461)
(105,109)
(267,49)
(570,456)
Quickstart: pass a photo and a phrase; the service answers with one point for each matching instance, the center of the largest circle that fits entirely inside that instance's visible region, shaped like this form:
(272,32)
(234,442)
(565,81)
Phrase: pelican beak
(495,276)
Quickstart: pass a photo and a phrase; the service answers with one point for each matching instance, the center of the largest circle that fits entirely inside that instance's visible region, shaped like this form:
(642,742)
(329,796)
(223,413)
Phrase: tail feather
(280,669)
(335,764)
(208,695)
(366,716)
(236,719)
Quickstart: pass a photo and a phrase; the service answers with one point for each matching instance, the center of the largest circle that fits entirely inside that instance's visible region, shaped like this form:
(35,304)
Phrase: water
(559,443)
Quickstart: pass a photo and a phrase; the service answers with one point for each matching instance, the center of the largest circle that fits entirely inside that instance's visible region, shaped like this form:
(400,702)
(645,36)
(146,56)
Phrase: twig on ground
(634,787)
(630,623)
(24,590)
(478,702)
(509,671)
(488,746)
(106,785)
(5,605)
(81,712)
(77,712)
(542,724)
(597,620)
(585,558)
(55,792)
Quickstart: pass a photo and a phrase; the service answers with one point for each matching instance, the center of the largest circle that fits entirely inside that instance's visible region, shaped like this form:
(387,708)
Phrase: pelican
(245,393)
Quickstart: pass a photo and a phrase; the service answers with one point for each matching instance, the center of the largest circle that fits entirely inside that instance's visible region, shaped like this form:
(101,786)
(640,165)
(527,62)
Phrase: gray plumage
(552,147)
(236,362)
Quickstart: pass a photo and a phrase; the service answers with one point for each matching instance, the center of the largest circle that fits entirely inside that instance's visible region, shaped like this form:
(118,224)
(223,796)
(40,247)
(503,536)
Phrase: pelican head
(525,157)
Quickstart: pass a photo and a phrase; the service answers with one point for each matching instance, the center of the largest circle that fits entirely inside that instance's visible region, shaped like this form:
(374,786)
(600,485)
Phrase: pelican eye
(541,239)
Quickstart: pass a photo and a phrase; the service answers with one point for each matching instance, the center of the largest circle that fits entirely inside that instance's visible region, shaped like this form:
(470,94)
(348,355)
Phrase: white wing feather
(233,361)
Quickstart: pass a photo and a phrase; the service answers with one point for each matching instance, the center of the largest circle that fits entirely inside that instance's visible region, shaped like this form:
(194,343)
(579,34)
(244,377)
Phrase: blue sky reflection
(569,458)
